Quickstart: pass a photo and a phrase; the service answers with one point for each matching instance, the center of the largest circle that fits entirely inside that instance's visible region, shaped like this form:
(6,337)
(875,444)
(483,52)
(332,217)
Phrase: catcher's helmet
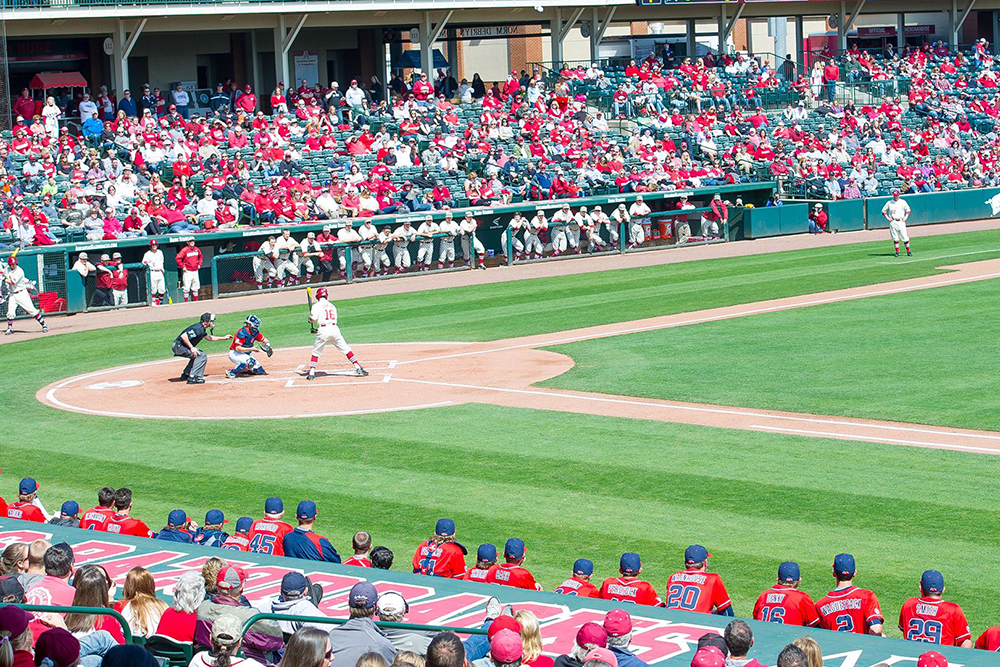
(322,293)
(253,322)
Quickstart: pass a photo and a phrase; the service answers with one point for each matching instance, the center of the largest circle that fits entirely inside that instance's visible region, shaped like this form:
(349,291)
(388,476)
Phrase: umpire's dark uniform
(195,370)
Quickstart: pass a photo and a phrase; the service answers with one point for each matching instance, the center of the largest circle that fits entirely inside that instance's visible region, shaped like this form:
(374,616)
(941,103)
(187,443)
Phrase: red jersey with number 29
(850,609)
(266,536)
(694,590)
(933,621)
(786,605)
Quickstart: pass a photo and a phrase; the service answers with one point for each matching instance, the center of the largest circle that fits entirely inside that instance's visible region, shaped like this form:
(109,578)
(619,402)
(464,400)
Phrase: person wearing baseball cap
(618,625)
(849,608)
(441,555)
(57,648)
(392,608)
(932,659)
(602,655)
(784,603)
(262,638)
(359,634)
(240,539)
(590,636)
(709,656)
(186,346)
(695,588)
(629,587)
(932,619)
(211,534)
(296,599)
(506,649)
(178,528)
(267,535)
(69,515)
(14,624)
(511,572)
(226,639)
(486,557)
(579,584)
(303,542)
(27,507)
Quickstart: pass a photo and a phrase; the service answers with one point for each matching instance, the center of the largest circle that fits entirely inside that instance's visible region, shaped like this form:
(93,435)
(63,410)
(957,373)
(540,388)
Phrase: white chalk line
(917,258)
(709,318)
(848,436)
(708,410)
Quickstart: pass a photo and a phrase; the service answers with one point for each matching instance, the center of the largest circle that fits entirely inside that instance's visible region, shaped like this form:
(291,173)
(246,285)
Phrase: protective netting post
(5,111)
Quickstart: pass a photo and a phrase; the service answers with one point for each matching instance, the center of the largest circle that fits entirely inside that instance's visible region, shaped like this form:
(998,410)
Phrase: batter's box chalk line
(301,383)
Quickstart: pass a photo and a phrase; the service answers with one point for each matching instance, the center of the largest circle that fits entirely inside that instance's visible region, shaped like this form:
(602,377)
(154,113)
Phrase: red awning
(58,80)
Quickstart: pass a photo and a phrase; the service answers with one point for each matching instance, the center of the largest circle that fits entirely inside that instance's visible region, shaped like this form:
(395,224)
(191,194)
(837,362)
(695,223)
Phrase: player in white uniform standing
(324,314)
(469,227)
(382,261)
(619,216)
(560,220)
(153,259)
(264,263)
(573,229)
(287,266)
(402,238)
(514,227)
(896,211)
(639,212)
(311,254)
(601,218)
(446,246)
(368,235)
(425,251)
(17,295)
(532,244)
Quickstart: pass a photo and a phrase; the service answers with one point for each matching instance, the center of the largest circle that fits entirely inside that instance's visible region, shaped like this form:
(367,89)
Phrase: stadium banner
(659,636)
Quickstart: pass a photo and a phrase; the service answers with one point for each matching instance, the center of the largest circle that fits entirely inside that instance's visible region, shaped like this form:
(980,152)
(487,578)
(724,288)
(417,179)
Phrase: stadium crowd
(149,164)
(209,610)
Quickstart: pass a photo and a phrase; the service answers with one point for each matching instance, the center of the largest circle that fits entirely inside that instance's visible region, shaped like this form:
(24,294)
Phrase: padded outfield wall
(659,636)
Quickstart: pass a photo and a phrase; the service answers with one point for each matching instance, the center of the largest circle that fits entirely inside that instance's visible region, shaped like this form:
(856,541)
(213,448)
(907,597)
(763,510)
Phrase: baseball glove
(266,348)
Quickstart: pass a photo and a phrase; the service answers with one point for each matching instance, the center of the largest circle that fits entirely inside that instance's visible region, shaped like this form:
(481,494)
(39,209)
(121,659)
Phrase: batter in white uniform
(324,314)
(896,211)
(153,259)
(425,251)
(17,289)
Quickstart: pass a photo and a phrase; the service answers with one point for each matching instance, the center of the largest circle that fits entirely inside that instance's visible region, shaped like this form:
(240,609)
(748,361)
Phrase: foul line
(710,318)
(720,411)
(934,259)
(895,441)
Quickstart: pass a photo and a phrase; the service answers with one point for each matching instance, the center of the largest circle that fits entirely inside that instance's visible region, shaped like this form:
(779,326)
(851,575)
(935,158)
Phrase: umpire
(186,345)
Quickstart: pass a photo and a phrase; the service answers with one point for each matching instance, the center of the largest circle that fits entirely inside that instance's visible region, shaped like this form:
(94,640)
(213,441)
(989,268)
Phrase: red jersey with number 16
(850,609)
(786,605)
(933,621)
(694,590)
(266,535)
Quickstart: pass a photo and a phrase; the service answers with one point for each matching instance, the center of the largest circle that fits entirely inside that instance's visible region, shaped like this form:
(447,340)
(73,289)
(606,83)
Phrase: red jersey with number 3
(933,621)
(439,560)
(515,576)
(850,609)
(694,590)
(96,518)
(786,605)
(266,536)
(629,589)
(237,543)
(989,640)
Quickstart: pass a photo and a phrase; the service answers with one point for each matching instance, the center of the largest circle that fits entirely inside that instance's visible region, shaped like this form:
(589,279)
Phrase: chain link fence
(135,294)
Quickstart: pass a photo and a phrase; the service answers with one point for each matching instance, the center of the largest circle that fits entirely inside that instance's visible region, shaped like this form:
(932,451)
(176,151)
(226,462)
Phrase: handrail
(92,611)
(265,616)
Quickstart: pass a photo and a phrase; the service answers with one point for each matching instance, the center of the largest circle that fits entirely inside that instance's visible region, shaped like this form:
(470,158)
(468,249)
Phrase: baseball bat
(309,300)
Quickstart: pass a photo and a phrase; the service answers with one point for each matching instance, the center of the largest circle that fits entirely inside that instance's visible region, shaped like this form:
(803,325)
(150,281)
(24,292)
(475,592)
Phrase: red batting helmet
(321,293)
(12,260)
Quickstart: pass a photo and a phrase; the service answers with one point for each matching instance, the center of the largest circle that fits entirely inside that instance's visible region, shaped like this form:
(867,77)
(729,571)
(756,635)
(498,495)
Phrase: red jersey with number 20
(694,590)
(786,605)
(439,560)
(630,589)
(933,621)
(266,536)
(850,609)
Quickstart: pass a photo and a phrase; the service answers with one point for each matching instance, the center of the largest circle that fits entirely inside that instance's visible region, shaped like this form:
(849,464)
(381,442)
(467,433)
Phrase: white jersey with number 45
(324,313)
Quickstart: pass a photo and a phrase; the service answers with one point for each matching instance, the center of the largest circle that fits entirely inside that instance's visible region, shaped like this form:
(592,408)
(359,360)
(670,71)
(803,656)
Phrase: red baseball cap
(591,633)
(503,622)
(604,655)
(617,623)
(506,646)
(229,577)
(710,656)
(932,659)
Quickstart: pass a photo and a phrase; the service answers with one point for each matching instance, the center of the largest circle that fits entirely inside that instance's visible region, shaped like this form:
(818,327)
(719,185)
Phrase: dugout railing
(136,294)
(90,611)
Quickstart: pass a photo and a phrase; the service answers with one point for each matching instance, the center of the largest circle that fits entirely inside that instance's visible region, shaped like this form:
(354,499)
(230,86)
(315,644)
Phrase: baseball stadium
(453,333)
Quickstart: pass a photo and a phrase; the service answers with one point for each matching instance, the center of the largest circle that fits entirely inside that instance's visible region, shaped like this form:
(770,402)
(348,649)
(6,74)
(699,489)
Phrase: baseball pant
(342,259)
(382,260)
(573,237)
(329,335)
(682,230)
(515,244)
(709,228)
(22,299)
(286,266)
(196,362)
(636,233)
(244,362)
(478,247)
(190,283)
(121,297)
(307,264)
(559,239)
(157,284)
(425,252)
(367,253)
(401,256)
(897,230)
(262,266)
(446,250)
(612,231)
(532,244)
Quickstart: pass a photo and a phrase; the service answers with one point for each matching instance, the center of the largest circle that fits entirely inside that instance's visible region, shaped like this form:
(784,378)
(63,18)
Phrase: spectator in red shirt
(531,640)
(27,506)
(511,573)
(178,622)
(831,73)
(818,220)
(362,545)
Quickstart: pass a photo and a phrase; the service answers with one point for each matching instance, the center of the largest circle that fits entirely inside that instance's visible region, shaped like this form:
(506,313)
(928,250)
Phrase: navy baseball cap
(293,582)
(696,554)
(243,524)
(630,563)
(213,517)
(27,485)
(487,552)
(363,595)
(306,510)
(583,566)
(932,581)
(274,506)
(788,571)
(445,528)
(514,548)
(844,563)
(177,518)
(70,508)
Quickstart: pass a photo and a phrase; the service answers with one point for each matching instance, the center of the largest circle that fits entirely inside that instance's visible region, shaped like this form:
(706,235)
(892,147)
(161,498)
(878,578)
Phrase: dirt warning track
(413,376)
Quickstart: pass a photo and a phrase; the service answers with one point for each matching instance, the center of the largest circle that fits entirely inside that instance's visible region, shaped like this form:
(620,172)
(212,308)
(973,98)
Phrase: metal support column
(842,26)
(900,31)
(692,41)
(800,50)
(283,41)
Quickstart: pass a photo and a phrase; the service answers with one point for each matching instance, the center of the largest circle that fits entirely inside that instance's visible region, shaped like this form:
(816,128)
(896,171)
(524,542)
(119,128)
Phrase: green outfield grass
(569,485)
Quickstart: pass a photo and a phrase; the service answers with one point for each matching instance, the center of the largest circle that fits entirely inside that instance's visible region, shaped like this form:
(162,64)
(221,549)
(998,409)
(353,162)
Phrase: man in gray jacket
(359,635)
(295,601)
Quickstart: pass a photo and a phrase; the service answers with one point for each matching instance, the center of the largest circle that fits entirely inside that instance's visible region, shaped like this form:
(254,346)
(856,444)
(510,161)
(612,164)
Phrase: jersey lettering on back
(849,609)
(786,606)
(933,621)
(694,590)
(628,589)
(266,536)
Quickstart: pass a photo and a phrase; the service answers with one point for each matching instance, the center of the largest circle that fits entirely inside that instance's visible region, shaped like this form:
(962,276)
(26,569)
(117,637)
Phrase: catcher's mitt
(266,348)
